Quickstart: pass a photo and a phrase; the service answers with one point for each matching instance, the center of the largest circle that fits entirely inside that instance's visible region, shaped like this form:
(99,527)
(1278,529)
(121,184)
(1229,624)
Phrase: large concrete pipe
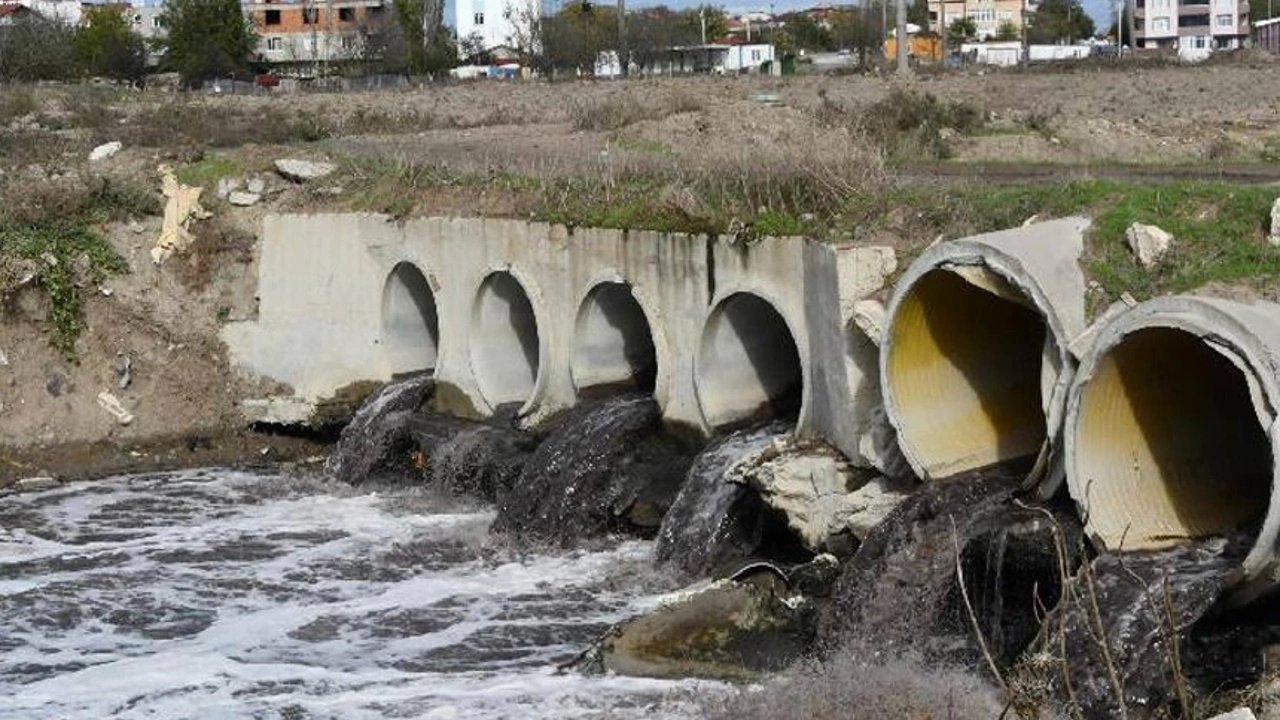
(612,345)
(410,328)
(974,359)
(1171,432)
(747,367)
(505,347)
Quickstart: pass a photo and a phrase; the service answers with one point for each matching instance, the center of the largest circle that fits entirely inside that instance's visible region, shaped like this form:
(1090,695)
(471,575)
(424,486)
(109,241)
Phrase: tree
(961,30)
(717,22)
(807,34)
(33,47)
(428,52)
(1059,21)
(1007,31)
(1122,31)
(857,30)
(917,13)
(206,39)
(573,38)
(106,46)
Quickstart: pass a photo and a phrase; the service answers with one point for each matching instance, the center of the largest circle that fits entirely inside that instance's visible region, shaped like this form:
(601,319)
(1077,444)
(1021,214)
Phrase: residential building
(488,24)
(1266,35)
(987,15)
(12,12)
(1191,25)
(304,33)
(66,11)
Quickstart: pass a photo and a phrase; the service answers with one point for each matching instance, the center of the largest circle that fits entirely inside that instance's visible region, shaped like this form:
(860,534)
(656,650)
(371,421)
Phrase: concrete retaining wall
(734,331)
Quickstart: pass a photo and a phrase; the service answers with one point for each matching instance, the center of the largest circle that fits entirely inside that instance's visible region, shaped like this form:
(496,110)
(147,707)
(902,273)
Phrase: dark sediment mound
(715,523)
(378,443)
(901,591)
(393,437)
(606,466)
(1153,609)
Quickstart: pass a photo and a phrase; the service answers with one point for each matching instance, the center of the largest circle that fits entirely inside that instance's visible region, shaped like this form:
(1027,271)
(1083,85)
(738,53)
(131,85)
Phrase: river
(225,594)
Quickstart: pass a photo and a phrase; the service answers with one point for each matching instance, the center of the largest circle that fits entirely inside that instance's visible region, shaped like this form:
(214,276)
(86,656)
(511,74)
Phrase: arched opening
(504,341)
(1167,444)
(410,325)
(963,365)
(748,366)
(612,345)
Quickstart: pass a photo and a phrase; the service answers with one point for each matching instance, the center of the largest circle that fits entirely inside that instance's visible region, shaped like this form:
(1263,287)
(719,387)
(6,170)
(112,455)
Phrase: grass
(209,169)
(49,239)
(617,112)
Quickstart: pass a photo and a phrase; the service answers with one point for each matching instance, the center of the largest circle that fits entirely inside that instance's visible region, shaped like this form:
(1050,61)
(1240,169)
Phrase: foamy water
(219,594)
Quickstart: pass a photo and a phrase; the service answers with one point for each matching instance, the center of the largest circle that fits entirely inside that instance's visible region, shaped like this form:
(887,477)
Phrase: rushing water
(213,593)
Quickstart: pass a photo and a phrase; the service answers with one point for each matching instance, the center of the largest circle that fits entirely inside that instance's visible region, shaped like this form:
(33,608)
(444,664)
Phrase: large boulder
(1148,243)
(823,497)
(304,170)
(729,629)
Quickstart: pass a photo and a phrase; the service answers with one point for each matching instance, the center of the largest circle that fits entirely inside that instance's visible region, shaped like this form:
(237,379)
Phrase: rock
(4,359)
(1148,243)
(243,199)
(304,170)
(226,186)
(727,629)
(102,152)
(112,405)
(124,371)
(1274,237)
(868,316)
(330,190)
(256,185)
(817,577)
(818,491)
(54,383)
(1240,713)
(36,484)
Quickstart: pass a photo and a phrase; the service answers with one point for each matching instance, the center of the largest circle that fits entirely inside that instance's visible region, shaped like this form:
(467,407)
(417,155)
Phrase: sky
(1102,11)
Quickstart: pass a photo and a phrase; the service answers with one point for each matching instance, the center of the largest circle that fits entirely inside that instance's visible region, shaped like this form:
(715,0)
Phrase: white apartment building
(1191,26)
(496,23)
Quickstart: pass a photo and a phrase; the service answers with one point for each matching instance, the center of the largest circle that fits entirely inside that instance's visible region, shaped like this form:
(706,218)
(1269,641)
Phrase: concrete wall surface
(525,312)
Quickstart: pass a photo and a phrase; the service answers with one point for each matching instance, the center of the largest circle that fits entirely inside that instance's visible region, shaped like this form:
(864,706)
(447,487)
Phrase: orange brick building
(313,32)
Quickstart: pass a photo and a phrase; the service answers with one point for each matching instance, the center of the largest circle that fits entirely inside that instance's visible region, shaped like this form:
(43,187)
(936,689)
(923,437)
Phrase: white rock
(4,359)
(37,483)
(256,185)
(112,405)
(1148,243)
(102,152)
(1274,237)
(304,170)
(868,316)
(1240,713)
(226,186)
(243,199)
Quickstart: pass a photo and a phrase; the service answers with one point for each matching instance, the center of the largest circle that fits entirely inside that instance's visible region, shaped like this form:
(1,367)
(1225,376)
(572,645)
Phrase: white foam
(200,595)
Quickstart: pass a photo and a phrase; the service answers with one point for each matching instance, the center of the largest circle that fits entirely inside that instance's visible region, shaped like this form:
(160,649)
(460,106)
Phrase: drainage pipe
(1171,430)
(974,357)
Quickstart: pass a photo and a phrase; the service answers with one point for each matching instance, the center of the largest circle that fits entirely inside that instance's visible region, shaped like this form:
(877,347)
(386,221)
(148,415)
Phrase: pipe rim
(437,339)
(973,252)
(660,348)
(1214,324)
(533,295)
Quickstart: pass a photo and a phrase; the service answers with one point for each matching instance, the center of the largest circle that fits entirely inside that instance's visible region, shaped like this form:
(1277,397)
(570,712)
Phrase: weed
(1270,149)
(16,102)
(209,169)
(916,125)
(207,123)
(615,113)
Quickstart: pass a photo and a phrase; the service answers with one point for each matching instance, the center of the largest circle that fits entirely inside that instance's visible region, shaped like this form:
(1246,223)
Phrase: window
(1198,42)
(347,14)
(348,42)
(479,18)
(310,16)
(271,17)
(275,43)
(1226,21)
(755,56)
(1194,21)
(1160,25)
(155,23)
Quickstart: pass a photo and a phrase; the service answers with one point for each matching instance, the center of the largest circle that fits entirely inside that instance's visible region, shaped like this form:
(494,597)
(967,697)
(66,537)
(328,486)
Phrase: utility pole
(702,20)
(624,55)
(904,70)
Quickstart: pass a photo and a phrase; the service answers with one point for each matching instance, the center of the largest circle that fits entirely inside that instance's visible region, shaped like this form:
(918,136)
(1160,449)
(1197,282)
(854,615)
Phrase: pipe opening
(1167,444)
(748,366)
(964,367)
(410,326)
(613,347)
(504,341)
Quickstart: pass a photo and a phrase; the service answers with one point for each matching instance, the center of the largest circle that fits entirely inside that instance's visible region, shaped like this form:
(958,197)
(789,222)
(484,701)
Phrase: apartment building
(304,32)
(987,15)
(1191,25)
(494,24)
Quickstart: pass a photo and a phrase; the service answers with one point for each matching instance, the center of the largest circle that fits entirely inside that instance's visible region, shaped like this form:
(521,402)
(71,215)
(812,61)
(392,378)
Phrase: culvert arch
(613,343)
(748,366)
(974,358)
(410,335)
(1171,430)
(505,342)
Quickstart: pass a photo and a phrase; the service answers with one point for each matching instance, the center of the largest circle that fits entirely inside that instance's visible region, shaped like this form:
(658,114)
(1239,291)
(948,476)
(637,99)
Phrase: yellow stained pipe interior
(1167,443)
(964,367)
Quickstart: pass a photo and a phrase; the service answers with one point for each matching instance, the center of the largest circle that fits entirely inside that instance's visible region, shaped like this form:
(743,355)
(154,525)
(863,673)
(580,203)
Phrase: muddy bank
(84,460)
